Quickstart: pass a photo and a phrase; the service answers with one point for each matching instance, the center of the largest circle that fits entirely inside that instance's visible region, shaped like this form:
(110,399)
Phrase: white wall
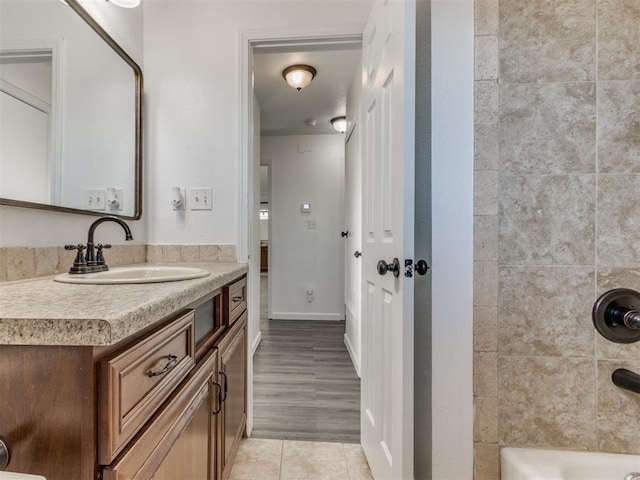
(28,227)
(300,257)
(264,227)
(192,71)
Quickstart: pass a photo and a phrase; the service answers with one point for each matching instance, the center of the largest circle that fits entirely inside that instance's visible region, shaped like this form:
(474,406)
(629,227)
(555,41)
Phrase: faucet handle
(79,261)
(99,256)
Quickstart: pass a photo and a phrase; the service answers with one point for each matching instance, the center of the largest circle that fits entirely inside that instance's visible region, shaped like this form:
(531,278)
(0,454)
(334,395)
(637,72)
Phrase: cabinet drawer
(180,442)
(236,299)
(134,383)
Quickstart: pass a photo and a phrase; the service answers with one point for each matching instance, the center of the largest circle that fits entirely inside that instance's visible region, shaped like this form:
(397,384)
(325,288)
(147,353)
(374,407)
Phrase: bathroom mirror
(70,112)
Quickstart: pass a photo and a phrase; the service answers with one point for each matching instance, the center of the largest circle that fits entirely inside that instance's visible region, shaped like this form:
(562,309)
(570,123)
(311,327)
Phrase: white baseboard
(256,342)
(354,359)
(307,316)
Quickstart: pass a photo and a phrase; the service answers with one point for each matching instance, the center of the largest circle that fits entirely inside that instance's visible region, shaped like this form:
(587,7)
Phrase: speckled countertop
(44,312)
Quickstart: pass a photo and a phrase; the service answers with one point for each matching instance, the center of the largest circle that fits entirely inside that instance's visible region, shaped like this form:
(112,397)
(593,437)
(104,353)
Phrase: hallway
(305,386)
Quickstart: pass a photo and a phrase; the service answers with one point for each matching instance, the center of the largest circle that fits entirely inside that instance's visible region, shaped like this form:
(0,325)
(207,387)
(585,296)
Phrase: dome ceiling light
(339,124)
(299,76)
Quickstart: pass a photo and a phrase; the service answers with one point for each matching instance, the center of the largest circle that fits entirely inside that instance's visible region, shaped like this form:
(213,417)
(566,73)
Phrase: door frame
(452,111)
(249,40)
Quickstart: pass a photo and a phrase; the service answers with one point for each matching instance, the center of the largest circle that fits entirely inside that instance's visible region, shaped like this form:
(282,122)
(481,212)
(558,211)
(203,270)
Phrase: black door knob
(384,267)
(357,254)
(421,267)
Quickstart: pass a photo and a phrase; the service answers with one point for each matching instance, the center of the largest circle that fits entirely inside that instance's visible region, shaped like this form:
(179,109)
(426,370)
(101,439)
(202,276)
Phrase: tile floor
(265,459)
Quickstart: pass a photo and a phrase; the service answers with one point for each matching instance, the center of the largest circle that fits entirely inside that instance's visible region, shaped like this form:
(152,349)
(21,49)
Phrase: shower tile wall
(557,222)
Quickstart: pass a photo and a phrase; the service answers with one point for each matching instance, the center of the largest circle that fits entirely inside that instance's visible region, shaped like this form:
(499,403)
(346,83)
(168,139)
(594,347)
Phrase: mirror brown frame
(137,214)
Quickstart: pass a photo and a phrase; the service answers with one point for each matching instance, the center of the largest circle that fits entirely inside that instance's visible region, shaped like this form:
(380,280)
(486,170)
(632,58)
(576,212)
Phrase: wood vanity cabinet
(135,382)
(167,404)
(196,433)
(232,351)
(181,440)
(235,296)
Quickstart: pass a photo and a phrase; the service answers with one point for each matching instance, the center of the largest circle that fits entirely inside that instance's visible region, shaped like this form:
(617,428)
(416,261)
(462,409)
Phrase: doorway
(447,41)
(305,385)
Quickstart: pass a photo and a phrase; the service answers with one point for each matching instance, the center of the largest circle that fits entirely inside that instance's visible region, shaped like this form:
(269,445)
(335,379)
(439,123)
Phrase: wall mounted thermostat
(305,207)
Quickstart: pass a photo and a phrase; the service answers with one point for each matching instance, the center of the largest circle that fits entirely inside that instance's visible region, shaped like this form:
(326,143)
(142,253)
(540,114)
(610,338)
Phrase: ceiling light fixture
(339,124)
(299,76)
(125,3)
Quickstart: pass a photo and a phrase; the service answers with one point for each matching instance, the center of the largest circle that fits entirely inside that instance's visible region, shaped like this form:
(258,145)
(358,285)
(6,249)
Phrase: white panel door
(388,117)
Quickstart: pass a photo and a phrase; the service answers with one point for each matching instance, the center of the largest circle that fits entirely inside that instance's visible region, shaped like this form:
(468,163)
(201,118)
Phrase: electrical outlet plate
(94,198)
(200,199)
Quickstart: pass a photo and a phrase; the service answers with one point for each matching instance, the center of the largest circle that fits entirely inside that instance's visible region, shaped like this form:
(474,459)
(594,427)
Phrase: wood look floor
(305,386)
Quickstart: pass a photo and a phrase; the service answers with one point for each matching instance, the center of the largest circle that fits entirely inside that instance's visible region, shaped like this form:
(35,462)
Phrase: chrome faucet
(632,476)
(94,261)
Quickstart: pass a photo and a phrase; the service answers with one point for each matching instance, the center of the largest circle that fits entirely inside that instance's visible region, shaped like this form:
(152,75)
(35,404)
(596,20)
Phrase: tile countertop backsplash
(21,263)
(44,312)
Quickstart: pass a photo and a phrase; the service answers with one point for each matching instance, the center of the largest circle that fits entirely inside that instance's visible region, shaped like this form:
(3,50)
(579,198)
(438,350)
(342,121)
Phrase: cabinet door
(180,442)
(233,356)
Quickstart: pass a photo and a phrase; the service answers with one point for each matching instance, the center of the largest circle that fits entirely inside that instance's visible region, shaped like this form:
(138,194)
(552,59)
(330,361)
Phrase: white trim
(247,40)
(24,97)
(256,343)
(354,359)
(308,316)
(54,163)
(452,77)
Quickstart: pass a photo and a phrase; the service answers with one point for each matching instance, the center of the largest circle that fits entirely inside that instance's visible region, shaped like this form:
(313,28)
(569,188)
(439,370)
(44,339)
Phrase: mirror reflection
(69,112)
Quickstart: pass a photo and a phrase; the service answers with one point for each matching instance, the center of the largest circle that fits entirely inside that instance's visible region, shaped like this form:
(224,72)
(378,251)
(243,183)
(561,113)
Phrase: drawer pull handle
(237,299)
(173,361)
(218,407)
(226,385)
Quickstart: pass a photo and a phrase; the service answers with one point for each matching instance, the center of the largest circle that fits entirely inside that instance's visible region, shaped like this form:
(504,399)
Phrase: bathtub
(533,464)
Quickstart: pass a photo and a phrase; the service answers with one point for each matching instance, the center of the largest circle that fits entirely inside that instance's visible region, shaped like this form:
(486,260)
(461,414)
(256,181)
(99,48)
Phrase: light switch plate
(311,224)
(200,199)
(94,198)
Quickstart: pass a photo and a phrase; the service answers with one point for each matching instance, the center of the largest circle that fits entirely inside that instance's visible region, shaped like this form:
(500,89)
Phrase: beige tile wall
(21,263)
(557,222)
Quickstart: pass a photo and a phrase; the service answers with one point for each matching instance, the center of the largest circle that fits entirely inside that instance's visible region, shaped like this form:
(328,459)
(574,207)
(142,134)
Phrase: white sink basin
(142,274)
(19,476)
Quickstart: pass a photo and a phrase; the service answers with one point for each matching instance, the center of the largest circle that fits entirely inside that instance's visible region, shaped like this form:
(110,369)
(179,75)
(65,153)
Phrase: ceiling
(283,110)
